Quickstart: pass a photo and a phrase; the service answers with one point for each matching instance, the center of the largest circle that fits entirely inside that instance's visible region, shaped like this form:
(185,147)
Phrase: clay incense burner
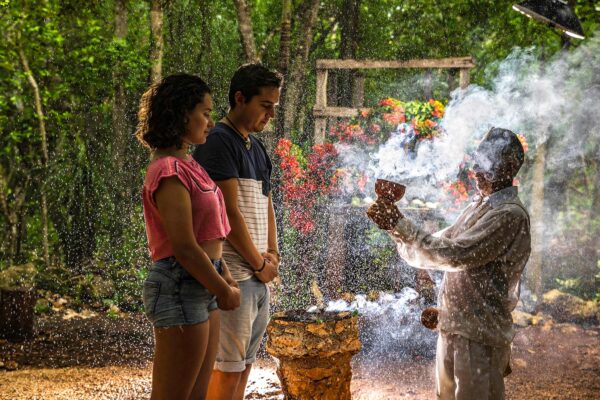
(314,353)
(389,191)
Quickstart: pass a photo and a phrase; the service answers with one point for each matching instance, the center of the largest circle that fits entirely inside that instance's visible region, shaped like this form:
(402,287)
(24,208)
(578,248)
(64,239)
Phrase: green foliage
(299,268)
(380,263)
(586,286)
(96,233)
(569,284)
(18,276)
(42,306)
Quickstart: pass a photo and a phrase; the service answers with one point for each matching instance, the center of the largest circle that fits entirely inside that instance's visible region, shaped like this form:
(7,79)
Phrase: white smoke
(557,100)
(390,325)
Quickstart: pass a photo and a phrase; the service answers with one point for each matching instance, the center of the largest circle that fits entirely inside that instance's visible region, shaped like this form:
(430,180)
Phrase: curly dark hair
(249,78)
(162,116)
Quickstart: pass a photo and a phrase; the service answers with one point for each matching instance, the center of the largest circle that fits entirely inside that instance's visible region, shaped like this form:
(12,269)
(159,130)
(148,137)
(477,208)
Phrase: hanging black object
(555,13)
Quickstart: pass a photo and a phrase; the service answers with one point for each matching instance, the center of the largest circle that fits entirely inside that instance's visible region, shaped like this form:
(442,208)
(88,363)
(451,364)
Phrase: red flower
(304,187)
(375,128)
(387,102)
(393,118)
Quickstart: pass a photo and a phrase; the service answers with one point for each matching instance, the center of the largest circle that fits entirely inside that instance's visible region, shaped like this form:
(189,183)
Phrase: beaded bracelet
(264,264)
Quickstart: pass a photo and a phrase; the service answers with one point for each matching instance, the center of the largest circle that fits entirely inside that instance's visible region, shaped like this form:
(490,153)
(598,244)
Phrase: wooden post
(465,74)
(320,130)
(321,104)
(321,101)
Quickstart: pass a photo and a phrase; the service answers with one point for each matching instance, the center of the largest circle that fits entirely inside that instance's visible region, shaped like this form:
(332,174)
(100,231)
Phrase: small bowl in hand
(430,318)
(389,191)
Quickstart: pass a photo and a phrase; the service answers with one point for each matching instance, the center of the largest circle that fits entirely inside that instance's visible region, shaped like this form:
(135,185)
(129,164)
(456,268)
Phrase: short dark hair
(162,115)
(250,78)
(500,153)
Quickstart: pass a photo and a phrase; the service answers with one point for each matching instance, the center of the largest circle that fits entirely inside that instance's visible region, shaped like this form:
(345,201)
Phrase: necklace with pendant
(246,140)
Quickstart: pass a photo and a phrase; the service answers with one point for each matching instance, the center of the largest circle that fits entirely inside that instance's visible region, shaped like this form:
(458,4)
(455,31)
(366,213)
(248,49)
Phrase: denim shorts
(172,297)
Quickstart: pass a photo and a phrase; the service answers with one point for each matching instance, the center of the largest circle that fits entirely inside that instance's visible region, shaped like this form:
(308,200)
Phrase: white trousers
(467,370)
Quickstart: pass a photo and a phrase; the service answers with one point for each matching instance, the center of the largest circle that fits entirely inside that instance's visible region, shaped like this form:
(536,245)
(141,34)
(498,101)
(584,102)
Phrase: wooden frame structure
(322,111)
(336,254)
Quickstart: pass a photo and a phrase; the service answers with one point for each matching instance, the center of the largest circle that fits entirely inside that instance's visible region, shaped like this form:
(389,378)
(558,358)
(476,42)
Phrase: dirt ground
(103,358)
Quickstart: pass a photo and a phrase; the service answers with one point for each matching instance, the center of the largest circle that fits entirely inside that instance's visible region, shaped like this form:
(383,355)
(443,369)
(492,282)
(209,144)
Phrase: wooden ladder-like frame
(321,111)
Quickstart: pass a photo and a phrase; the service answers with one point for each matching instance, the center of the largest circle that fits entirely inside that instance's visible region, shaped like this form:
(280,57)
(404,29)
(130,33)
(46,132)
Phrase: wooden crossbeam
(338,112)
(454,62)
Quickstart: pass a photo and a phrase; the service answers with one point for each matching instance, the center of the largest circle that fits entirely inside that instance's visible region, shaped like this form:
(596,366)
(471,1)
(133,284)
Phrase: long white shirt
(483,255)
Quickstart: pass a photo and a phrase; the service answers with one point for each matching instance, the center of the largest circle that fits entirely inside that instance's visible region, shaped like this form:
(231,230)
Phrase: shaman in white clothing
(483,255)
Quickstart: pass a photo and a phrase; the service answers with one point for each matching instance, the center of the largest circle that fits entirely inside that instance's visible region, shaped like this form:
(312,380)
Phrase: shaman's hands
(385,214)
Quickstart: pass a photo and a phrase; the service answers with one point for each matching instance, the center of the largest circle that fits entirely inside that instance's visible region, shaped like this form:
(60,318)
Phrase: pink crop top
(208,207)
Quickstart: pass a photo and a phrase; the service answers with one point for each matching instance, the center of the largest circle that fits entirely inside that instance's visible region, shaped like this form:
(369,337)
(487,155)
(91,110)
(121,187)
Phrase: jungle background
(72,73)
(71,223)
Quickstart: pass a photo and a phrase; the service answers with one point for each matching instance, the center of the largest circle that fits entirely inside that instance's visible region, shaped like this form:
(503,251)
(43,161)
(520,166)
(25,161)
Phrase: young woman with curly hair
(186,224)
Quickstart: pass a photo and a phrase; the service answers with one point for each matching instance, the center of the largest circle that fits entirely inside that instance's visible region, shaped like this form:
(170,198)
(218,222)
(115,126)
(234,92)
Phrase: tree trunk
(284,61)
(534,269)
(205,41)
(120,142)
(245,30)
(286,32)
(12,211)
(156,46)
(298,68)
(304,120)
(79,234)
(121,19)
(21,232)
(348,46)
(336,253)
(42,127)
(16,314)
(285,43)
(119,118)
(594,219)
